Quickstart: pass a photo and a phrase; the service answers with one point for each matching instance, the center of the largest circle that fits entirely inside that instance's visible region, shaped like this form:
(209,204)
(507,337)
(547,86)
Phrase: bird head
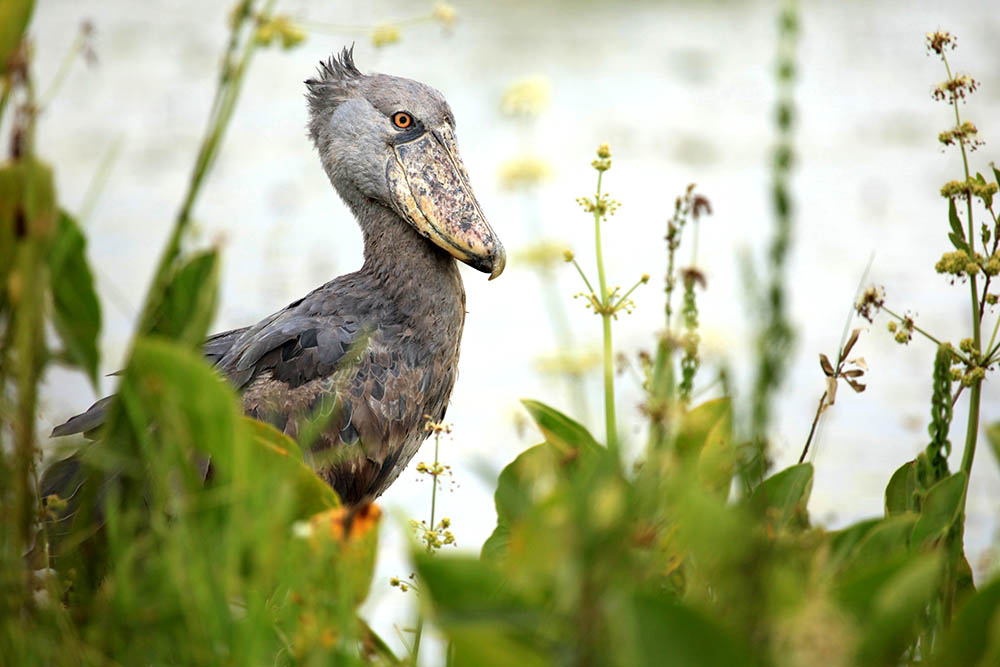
(392,140)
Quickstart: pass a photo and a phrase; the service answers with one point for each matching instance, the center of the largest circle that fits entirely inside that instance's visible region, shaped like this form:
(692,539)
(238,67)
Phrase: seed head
(938,41)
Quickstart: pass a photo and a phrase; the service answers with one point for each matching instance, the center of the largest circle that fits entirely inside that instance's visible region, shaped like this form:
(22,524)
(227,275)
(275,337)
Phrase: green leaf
(188,304)
(897,607)
(957,242)
(76,310)
(889,539)
(467,592)
(697,424)
(973,638)
(14,18)
(987,198)
(486,645)
(513,497)
(787,493)
(196,412)
(843,542)
(175,389)
(996,175)
(668,632)
(560,431)
(717,459)
(900,493)
(280,458)
(956,224)
(940,509)
(265,434)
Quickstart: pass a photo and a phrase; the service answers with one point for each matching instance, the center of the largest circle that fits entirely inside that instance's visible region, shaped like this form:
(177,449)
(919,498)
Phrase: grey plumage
(381,343)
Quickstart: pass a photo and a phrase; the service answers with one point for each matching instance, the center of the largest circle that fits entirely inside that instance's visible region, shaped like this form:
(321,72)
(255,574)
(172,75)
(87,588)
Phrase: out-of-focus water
(682,92)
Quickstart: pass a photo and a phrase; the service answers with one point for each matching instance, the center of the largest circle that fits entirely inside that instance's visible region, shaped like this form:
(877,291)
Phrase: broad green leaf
(717,459)
(900,492)
(668,632)
(279,456)
(696,425)
(188,304)
(266,435)
(560,431)
(897,608)
(973,637)
(195,410)
(888,539)
(174,388)
(843,542)
(787,494)
(343,541)
(489,645)
(14,18)
(514,496)
(534,476)
(940,509)
(463,590)
(76,310)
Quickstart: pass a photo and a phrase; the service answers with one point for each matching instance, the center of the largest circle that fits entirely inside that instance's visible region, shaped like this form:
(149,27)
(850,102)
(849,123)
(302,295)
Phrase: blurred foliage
(678,557)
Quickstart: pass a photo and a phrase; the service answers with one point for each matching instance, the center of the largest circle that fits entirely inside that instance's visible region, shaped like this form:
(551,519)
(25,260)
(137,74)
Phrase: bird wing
(214,349)
(299,365)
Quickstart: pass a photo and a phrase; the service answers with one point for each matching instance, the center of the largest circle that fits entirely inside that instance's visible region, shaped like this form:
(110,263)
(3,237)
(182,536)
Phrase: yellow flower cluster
(542,255)
(279,27)
(602,205)
(444,13)
(964,133)
(526,97)
(958,263)
(384,34)
(523,171)
(569,362)
(972,186)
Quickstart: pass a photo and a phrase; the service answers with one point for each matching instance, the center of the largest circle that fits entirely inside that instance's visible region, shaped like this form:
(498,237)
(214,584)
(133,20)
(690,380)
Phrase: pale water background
(682,91)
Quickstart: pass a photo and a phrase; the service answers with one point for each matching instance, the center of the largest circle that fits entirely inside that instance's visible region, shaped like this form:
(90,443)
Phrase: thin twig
(812,430)
(909,320)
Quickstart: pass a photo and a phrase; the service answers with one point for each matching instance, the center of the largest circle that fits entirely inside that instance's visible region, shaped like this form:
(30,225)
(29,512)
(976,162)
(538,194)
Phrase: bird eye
(402,120)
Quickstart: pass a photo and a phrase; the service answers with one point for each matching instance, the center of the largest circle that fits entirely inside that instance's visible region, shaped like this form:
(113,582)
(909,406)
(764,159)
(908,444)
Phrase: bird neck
(416,275)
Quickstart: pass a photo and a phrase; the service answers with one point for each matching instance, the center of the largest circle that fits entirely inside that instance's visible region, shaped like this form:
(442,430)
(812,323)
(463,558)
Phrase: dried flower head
(937,41)
(870,302)
(955,88)
(965,134)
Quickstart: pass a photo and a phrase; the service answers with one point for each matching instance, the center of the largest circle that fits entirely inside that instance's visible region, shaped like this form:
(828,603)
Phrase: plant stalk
(415,653)
(611,429)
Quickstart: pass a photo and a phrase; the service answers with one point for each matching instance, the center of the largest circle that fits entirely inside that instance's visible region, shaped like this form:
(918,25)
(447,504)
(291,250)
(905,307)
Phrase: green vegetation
(695,553)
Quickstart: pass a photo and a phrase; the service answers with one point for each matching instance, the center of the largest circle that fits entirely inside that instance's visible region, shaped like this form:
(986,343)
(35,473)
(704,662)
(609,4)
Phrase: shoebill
(388,146)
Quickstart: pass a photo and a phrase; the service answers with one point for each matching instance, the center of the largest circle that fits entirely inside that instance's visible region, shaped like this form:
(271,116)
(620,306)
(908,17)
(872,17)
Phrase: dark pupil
(402,119)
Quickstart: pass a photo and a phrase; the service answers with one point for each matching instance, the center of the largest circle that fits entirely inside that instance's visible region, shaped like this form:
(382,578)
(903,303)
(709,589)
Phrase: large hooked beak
(430,188)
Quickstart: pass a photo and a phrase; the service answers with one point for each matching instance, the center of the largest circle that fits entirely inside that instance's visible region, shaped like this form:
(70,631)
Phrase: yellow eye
(402,120)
